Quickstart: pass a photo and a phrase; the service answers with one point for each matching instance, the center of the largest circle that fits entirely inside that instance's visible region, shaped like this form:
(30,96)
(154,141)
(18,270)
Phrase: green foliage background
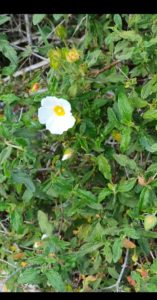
(102,196)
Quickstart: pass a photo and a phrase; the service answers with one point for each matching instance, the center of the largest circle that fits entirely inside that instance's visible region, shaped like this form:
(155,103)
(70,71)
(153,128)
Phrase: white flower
(67,154)
(56,114)
(44,236)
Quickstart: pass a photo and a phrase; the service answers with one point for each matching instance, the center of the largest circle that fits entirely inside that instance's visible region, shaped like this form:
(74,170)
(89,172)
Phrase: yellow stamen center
(59,110)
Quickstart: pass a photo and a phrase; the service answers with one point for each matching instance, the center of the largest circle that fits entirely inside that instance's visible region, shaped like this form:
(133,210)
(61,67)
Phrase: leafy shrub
(96,209)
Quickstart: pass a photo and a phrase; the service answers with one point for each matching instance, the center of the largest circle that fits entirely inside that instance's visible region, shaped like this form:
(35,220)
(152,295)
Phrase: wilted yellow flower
(35,87)
(23,264)
(37,244)
(55,58)
(72,55)
(116,135)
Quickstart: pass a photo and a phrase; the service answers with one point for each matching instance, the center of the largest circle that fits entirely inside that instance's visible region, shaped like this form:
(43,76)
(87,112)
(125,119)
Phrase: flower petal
(66,105)
(44,114)
(58,125)
(49,101)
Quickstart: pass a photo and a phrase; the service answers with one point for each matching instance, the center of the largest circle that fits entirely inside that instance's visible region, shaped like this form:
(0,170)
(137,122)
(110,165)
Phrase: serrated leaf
(55,280)
(104,166)
(44,224)
(37,18)
(150,222)
(29,276)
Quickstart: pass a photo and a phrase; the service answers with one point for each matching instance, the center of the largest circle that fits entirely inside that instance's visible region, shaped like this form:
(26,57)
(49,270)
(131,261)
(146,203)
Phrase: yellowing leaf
(128,244)
(149,222)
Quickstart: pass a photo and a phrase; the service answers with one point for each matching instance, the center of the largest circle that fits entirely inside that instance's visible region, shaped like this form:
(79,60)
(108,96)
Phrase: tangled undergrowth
(78,209)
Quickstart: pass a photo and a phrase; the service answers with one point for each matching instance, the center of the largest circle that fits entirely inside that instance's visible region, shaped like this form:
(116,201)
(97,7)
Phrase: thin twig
(32,53)
(43,170)
(9,264)
(3,227)
(28,69)
(117,284)
(23,40)
(21,111)
(39,91)
(106,68)
(28,31)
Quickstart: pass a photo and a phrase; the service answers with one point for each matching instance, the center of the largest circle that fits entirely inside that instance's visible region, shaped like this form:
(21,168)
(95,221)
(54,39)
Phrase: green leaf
(112,118)
(103,194)
(92,57)
(5,154)
(112,271)
(89,248)
(29,276)
(107,252)
(152,169)
(37,18)
(149,88)
(145,200)
(8,51)
(117,250)
(150,115)
(125,108)
(126,185)
(55,280)
(153,267)
(130,35)
(131,232)
(125,161)
(57,17)
(104,166)
(125,138)
(118,21)
(44,224)
(23,178)
(150,222)
(137,102)
(17,221)
(4,19)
